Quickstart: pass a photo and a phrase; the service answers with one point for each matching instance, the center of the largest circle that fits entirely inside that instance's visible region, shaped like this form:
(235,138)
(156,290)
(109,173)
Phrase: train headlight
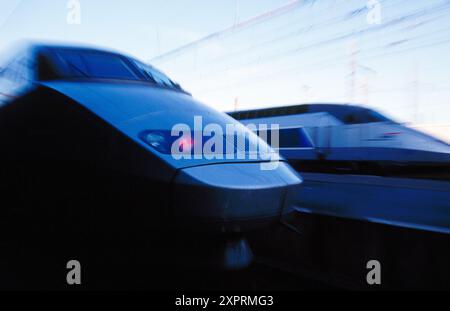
(159,140)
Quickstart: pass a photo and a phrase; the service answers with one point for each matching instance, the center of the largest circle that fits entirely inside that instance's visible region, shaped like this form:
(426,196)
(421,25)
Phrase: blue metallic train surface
(77,168)
(352,139)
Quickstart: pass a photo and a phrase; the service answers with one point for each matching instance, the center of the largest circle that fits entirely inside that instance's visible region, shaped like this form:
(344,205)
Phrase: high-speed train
(352,139)
(85,157)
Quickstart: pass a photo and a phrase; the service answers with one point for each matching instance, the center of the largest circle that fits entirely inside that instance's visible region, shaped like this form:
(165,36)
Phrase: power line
(346,36)
(298,32)
(440,9)
(292,5)
(11,13)
(392,43)
(325,64)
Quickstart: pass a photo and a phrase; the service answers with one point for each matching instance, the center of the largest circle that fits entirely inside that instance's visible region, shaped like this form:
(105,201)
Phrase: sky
(394,59)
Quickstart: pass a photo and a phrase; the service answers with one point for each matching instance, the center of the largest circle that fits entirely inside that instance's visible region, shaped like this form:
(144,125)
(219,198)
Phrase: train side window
(45,70)
(288,138)
(294,138)
(350,119)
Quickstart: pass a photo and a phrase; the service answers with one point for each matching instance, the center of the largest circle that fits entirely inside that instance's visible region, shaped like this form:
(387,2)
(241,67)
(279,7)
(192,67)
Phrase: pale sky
(323,50)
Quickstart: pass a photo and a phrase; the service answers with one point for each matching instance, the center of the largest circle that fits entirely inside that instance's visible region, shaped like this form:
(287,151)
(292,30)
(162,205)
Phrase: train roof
(50,61)
(36,46)
(346,113)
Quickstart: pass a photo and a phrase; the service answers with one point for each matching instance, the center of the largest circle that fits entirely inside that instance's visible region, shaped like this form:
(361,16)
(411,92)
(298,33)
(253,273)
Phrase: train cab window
(93,64)
(374,116)
(83,63)
(45,69)
(363,116)
(350,119)
(155,75)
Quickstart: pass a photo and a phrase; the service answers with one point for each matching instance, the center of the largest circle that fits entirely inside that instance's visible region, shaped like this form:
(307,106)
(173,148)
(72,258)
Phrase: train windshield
(349,114)
(73,63)
(155,75)
(361,116)
(374,116)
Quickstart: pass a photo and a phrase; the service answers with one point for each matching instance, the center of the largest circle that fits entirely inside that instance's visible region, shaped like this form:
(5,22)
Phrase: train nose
(232,198)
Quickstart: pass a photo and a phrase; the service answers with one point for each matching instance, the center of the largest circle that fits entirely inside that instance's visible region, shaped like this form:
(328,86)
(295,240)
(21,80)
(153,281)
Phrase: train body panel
(134,108)
(125,101)
(239,197)
(353,136)
(86,158)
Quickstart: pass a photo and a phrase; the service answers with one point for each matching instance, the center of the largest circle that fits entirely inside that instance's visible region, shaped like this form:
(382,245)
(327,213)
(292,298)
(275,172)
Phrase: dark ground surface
(324,253)
(258,277)
(329,254)
(38,270)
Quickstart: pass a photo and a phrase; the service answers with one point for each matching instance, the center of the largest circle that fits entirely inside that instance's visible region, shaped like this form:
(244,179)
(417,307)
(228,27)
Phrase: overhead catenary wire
(399,20)
(294,33)
(292,5)
(10,14)
(323,64)
(302,45)
(441,10)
